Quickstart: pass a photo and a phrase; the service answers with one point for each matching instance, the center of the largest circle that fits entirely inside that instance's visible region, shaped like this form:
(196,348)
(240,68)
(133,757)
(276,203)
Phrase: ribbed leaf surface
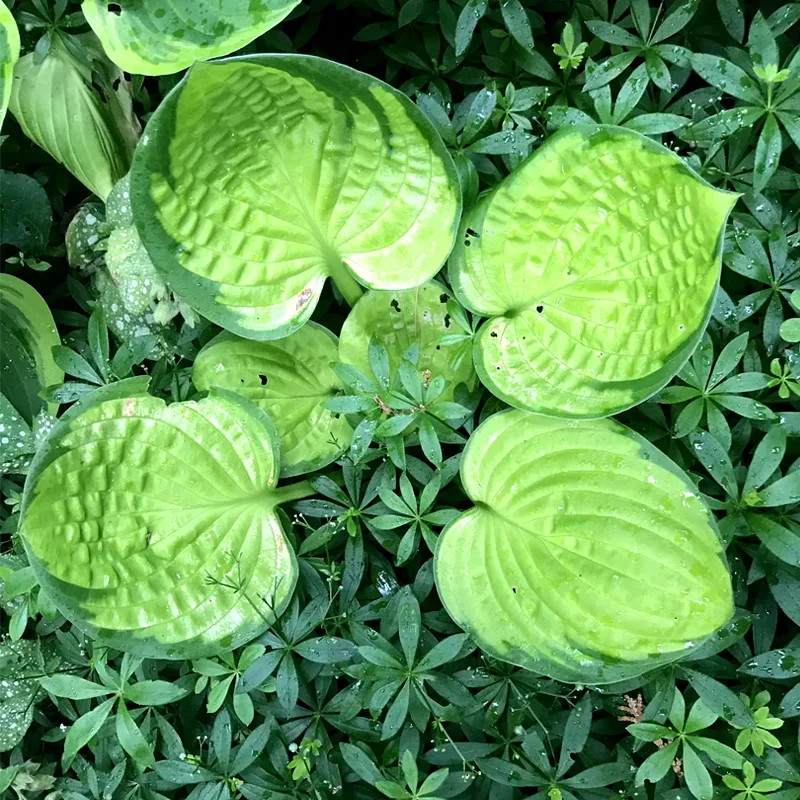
(260,177)
(291,379)
(154,527)
(400,319)
(588,555)
(598,261)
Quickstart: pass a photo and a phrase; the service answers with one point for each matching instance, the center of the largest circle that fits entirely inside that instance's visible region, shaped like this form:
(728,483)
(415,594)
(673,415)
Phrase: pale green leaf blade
(9,54)
(57,106)
(302,178)
(166,36)
(400,319)
(291,380)
(154,527)
(574,523)
(28,333)
(598,261)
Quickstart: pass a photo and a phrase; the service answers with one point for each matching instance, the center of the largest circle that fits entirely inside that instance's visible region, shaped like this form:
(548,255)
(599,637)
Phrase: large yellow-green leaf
(154,527)
(9,53)
(27,333)
(597,261)
(259,177)
(158,37)
(400,319)
(91,132)
(292,380)
(588,555)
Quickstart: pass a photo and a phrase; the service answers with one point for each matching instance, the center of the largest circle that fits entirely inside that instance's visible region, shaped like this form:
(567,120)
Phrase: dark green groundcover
(358,683)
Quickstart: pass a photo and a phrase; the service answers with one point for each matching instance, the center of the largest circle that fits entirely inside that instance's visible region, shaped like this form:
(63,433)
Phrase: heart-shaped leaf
(598,261)
(291,379)
(400,319)
(91,132)
(28,333)
(166,36)
(9,53)
(588,556)
(154,527)
(259,177)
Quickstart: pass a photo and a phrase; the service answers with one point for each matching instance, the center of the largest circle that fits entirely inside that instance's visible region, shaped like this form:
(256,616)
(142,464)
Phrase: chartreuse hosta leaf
(28,334)
(261,176)
(400,319)
(597,261)
(154,527)
(158,37)
(91,131)
(292,380)
(9,53)
(587,557)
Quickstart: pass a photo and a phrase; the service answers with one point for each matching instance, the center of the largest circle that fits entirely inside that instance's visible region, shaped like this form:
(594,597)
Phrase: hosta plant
(571,522)
(297,180)
(155,527)
(597,262)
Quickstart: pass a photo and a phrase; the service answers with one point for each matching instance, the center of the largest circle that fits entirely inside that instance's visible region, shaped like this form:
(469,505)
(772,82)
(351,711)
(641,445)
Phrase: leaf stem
(344,281)
(294,491)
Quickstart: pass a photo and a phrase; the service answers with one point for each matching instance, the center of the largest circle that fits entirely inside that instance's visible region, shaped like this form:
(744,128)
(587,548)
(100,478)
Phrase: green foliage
(158,38)
(305,215)
(356,682)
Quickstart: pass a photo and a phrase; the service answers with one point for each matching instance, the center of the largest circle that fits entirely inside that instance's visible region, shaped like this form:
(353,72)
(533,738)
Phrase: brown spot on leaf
(303,297)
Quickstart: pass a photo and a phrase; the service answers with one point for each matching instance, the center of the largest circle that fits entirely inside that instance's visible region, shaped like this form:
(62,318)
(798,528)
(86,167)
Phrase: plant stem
(344,281)
(294,491)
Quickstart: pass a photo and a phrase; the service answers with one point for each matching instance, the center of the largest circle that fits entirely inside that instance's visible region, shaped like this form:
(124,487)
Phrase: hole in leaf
(467,242)
(443,298)
(263,379)
(395,305)
(540,308)
(114,8)
(514,589)
(493,334)
(447,320)
(471,232)
(115,84)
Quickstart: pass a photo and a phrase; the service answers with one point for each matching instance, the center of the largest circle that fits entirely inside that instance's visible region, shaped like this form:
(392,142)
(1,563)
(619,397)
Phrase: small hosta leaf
(28,333)
(260,177)
(91,132)
(597,261)
(9,53)
(292,380)
(166,36)
(400,319)
(155,527)
(588,556)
